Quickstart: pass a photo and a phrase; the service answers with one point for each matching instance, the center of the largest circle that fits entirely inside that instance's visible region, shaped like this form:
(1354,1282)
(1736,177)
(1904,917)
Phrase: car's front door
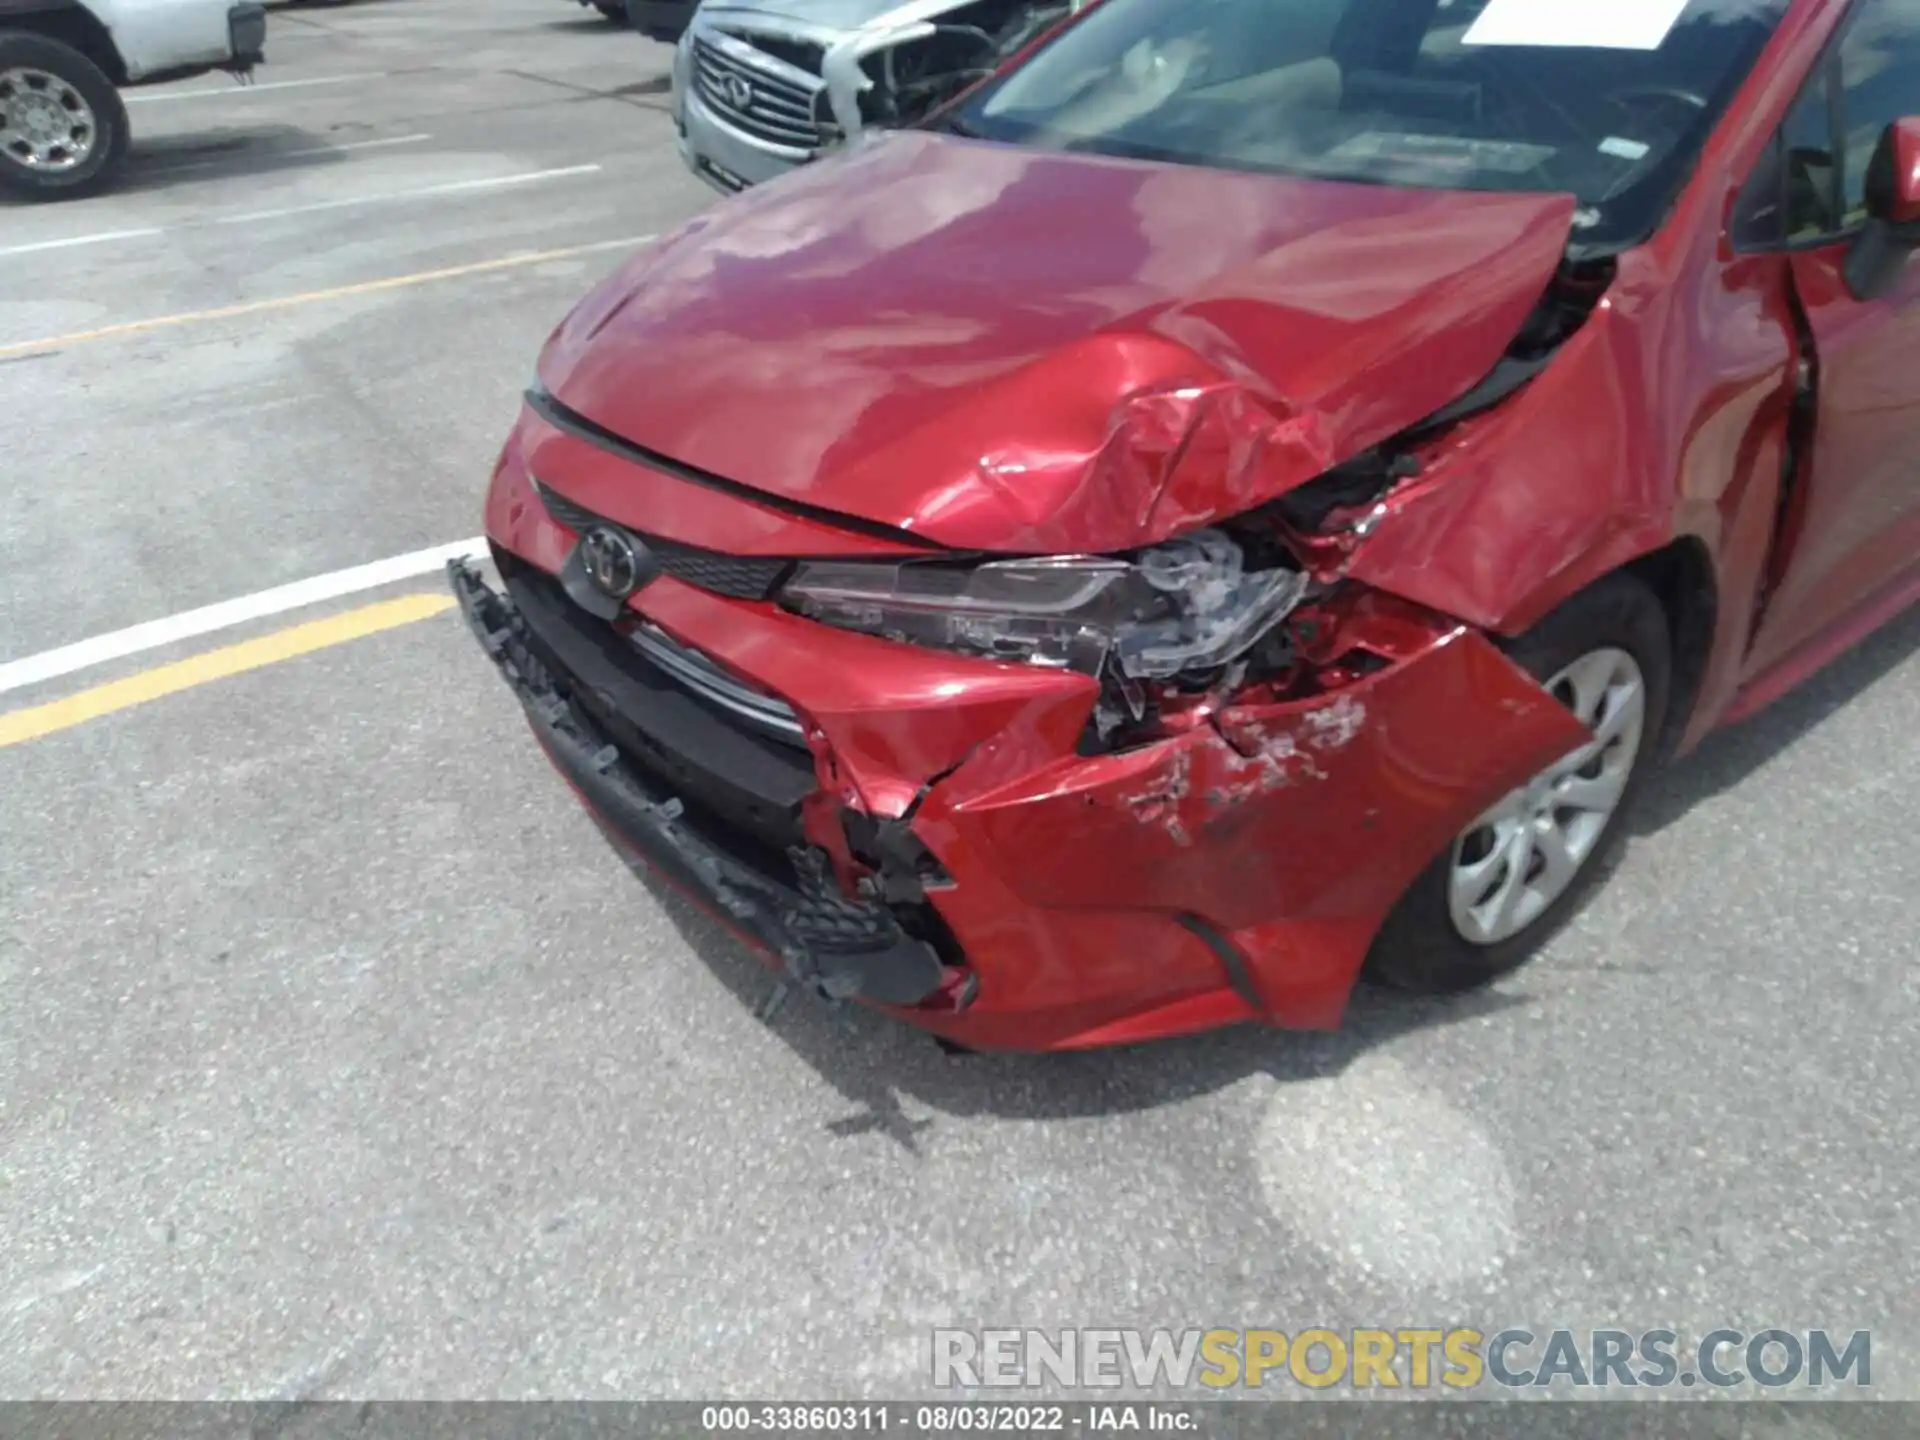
(1852,527)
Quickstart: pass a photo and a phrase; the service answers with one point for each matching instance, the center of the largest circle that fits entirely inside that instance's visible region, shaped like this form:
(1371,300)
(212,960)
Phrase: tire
(27,61)
(614,10)
(1422,947)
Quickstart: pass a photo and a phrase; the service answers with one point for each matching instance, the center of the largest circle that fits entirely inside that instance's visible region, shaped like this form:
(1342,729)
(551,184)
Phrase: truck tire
(63,127)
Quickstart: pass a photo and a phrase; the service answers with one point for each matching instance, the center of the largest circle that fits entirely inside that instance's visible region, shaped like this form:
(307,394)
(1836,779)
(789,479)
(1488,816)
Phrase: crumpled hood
(1009,349)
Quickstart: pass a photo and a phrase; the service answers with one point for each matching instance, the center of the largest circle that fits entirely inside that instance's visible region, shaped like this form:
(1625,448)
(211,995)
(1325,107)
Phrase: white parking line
(100,239)
(307,154)
(428,192)
(458,187)
(47,343)
(220,92)
(50,664)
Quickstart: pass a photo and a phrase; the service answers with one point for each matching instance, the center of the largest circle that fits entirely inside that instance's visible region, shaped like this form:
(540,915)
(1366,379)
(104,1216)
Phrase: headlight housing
(1190,604)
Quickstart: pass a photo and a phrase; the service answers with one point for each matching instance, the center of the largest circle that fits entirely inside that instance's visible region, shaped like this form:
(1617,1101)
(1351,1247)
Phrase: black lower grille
(837,947)
(742,789)
(738,577)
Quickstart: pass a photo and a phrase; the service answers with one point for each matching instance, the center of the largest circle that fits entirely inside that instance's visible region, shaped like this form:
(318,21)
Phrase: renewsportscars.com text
(1398,1358)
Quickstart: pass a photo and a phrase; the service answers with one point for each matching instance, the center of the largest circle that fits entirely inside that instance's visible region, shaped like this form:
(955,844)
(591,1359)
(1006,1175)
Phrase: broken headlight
(1190,604)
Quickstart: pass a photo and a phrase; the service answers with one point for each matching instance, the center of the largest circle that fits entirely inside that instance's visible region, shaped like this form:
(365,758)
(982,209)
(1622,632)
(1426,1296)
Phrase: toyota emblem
(739,92)
(615,563)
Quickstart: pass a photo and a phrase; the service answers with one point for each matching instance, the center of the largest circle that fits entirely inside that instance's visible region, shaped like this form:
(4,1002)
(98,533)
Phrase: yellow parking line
(163,680)
(311,297)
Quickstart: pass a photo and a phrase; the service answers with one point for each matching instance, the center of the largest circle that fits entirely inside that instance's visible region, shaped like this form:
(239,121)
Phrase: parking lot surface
(340,1056)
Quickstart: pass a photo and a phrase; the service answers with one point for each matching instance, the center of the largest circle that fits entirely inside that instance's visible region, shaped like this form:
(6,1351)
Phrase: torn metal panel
(1519,508)
(1042,891)
(1215,822)
(1160,802)
(1292,828)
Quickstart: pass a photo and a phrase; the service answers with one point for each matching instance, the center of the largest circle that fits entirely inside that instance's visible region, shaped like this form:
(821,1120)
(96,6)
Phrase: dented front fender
(1290,829)
(1235,869)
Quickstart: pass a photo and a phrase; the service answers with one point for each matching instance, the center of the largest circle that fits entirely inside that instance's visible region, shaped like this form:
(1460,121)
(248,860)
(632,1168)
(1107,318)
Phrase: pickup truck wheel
(63,127)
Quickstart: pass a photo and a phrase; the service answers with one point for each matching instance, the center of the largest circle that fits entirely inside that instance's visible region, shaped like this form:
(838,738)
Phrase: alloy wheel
(1512,863)
(46,124)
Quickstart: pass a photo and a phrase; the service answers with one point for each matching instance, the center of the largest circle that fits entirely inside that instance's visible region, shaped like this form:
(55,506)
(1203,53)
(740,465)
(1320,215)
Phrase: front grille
(758,101)
(738,577)
(741,785)
(694,670)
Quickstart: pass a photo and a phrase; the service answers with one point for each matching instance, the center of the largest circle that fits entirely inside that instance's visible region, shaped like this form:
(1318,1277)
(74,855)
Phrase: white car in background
(63,126)
(760,86)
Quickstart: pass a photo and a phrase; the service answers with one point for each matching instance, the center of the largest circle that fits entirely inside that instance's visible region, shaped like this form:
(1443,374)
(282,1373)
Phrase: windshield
(1607,101)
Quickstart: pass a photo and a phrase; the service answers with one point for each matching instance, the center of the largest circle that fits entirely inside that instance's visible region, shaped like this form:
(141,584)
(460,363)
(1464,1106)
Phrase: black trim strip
(1231,960)
(836,947)
(581,428)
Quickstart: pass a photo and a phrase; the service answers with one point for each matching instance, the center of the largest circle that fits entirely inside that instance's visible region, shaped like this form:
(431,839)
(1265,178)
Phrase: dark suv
(661,19)
(656,19)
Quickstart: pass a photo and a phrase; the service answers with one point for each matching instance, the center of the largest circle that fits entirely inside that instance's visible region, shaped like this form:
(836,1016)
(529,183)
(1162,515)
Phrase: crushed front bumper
(838,948)
(1237,871)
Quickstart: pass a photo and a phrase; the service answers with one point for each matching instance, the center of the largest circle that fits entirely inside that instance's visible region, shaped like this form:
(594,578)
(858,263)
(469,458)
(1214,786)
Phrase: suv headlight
(1190,604)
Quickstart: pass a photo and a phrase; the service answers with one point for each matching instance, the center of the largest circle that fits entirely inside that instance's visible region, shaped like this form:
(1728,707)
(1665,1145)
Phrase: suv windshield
(1607,101)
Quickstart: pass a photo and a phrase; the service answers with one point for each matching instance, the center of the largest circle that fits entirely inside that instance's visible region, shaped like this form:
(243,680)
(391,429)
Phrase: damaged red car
(1243,497)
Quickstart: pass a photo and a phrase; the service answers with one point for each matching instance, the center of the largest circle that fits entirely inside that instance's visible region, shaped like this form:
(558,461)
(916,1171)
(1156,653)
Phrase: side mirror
(1892,231)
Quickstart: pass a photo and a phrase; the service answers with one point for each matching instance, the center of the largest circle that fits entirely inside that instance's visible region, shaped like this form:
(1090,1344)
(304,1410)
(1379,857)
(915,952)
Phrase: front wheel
(63,127)
(1512,875)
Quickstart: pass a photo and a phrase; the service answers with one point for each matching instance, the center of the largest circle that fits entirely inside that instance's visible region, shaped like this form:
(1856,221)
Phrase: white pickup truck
(63,127)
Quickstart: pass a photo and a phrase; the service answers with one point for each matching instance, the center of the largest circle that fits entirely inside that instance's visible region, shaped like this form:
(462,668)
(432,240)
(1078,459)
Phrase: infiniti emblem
(615,563)
(739,92)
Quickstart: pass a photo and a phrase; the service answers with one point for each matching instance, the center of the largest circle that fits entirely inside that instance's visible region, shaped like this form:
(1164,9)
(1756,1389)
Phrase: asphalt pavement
(340,1056)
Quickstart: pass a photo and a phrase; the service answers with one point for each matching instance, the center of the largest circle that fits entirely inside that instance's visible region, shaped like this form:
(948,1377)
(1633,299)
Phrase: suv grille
(768,106)
(738,577)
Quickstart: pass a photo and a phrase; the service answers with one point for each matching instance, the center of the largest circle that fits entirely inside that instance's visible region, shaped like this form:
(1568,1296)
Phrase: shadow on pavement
(873,1061)
(1728,756)
(233,153)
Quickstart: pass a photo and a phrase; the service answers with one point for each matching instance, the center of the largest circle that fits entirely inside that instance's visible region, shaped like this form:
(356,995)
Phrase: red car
(1244,497)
